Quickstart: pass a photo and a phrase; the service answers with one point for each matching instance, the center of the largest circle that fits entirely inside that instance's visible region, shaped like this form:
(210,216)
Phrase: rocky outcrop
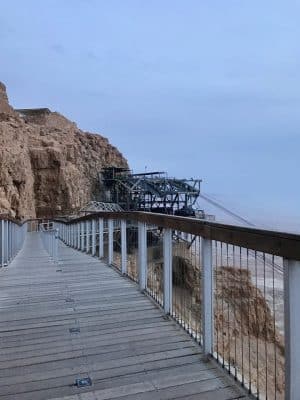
(5,108)
(48,166)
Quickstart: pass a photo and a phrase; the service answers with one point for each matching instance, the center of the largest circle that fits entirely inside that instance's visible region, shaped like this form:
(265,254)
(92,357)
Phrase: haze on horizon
(204,89)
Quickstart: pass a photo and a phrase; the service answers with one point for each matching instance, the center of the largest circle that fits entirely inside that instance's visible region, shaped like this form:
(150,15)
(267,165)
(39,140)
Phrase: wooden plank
(157,365)
(144,387)
(120,347)
(158,377)
(125,344)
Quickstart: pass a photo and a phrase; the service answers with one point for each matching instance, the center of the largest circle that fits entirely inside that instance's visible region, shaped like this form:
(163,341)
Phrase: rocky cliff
(47,164)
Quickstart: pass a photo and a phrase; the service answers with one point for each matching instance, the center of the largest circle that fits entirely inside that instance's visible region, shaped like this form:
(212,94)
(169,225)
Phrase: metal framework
(94,206)
(152,191)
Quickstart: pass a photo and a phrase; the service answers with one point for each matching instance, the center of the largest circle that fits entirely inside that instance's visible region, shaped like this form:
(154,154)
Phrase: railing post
(78,235)
(142,255)
(82,236)
(51,235)
(17,238)
(2,242)
(292,328)
(207,297)
(110,241)
(17,233)
(6,242)
(123,247)
(12,240)
(167,246)
(101,233)
(72,235)
(6,246)
(93,237)
(87,225)
(55,255)
(9,241)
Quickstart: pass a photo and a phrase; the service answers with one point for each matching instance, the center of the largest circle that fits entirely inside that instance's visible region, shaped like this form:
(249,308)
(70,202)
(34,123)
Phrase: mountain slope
(47,164)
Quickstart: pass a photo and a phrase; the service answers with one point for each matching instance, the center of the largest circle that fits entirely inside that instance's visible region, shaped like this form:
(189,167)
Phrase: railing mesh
(248,318)
(117,259)
(155,263)
(132,250)
(187,296)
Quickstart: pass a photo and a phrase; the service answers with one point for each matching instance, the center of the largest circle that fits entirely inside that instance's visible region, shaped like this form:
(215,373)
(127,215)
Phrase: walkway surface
(81,319)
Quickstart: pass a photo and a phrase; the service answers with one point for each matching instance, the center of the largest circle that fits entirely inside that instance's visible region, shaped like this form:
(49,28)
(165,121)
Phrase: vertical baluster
(101,241)
(207,298)
(110,241)
(87,226)
(82,235)
(292,328)
(55,255)
(93,237)
(167,249)
(2,244)
(6,243)
(142,255)
(78,235)
(123,247)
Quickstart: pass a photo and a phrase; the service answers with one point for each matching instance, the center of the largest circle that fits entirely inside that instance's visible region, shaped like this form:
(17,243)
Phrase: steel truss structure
(94,206)
(149,191)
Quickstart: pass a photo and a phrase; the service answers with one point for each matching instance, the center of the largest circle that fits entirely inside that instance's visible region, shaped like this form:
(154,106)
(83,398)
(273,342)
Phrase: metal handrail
(281,244)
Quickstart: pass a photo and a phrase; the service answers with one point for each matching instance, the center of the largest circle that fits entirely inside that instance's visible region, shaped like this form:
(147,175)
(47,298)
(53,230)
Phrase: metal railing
(49,237)
(235,290)
(12,235)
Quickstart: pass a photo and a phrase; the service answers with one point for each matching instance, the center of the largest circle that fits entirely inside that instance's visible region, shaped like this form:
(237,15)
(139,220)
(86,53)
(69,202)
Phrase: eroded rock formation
(47,164)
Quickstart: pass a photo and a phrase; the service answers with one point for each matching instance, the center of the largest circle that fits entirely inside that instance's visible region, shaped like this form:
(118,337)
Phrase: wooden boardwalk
(82,319)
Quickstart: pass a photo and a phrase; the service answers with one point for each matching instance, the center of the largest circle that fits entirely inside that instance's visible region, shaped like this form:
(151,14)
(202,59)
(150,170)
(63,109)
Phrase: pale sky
(198,88)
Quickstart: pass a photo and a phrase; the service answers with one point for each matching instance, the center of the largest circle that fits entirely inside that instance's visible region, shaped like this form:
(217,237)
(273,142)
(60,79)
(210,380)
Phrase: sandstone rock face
(5,108)
(47,165)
